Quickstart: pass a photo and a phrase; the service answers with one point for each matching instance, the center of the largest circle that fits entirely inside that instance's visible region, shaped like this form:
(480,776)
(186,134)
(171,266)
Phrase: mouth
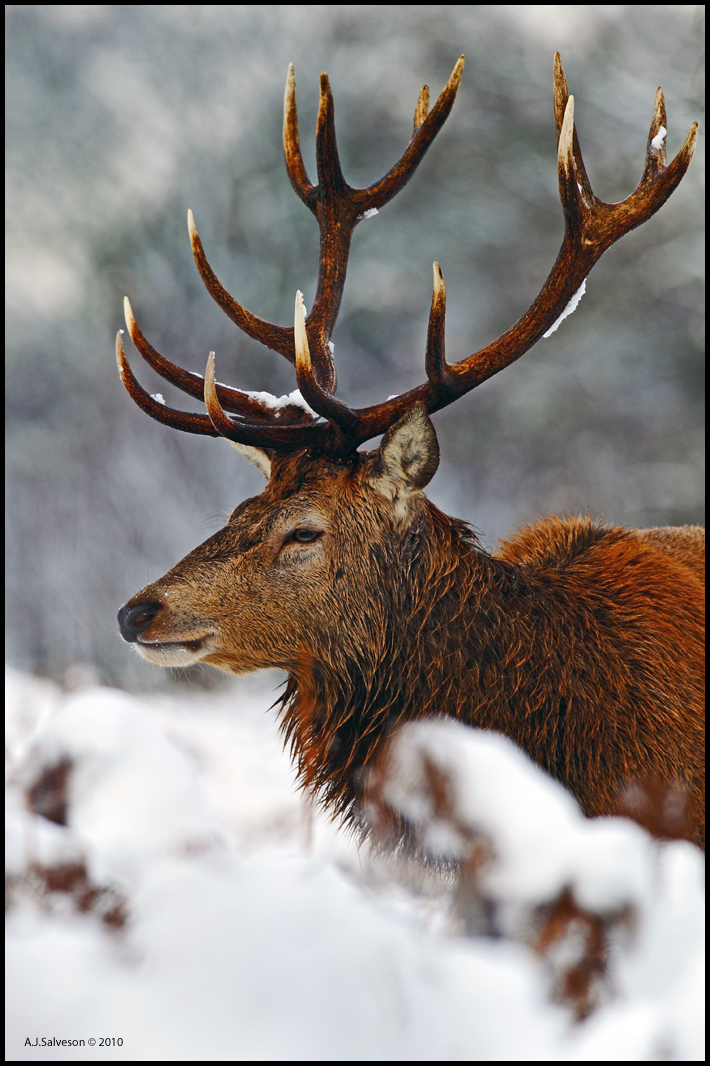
(175,652)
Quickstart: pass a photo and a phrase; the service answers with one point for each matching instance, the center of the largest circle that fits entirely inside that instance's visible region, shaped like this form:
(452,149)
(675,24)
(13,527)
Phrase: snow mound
(173,897)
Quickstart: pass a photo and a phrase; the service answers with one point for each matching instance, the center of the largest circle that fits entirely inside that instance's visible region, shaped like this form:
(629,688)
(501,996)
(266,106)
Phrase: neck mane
(338,707)
(541,642)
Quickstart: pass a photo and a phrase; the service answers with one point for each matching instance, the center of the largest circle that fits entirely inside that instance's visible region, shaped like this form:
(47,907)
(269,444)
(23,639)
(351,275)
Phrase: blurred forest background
(119,118)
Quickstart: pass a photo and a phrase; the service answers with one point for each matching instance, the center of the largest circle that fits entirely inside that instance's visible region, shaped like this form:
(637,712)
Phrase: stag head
(302,566)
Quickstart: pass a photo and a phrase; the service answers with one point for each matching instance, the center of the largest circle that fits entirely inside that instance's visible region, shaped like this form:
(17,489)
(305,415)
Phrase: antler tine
(382,191)
(330,174)
(284,433)
(275,434)
(422,109)
(560,97)
(322,402)
(183,420)
(221,422)
(300,182)
(437,369)
(656,151)
(193,384)
(656,145)
(278,338)
(337,218)
(216,423)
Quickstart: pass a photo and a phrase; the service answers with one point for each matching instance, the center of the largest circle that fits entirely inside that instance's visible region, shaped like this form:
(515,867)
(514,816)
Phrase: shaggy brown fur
(579,641)
(583,643)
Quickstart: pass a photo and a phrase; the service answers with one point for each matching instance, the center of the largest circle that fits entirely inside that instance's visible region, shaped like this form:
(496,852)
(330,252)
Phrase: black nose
(135,620)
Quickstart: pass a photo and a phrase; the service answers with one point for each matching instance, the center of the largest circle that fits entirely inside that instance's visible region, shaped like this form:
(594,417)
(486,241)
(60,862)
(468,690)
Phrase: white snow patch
(245,943)
(541,839)
(157,396)
(275,403)
(571,306)
(370,213)
(660,137)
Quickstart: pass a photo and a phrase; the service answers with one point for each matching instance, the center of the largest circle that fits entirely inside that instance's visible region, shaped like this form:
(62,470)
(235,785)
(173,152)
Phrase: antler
(591,226)
(338,208)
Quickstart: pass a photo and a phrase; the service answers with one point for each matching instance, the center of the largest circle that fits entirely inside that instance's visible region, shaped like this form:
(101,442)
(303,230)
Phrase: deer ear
(260,457)
(408,456)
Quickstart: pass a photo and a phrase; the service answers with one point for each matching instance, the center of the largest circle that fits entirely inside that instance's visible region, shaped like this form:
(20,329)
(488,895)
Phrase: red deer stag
(580,641)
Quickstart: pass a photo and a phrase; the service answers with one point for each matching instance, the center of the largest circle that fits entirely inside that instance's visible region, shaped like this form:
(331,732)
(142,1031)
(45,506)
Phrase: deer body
(583,643)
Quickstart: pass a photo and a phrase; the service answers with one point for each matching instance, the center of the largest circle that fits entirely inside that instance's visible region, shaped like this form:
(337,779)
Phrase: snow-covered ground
(176,898)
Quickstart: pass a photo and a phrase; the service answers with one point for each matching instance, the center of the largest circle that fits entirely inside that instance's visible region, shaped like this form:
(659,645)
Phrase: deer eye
(305,536)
